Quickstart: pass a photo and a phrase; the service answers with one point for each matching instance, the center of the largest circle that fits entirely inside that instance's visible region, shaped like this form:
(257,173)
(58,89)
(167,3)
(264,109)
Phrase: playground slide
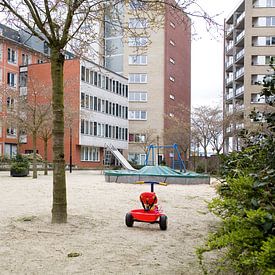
(120,157)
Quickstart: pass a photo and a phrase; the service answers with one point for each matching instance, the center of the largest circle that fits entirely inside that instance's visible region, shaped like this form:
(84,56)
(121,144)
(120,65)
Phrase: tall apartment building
(95,106)
(16,49)
(158,69)
(249,44)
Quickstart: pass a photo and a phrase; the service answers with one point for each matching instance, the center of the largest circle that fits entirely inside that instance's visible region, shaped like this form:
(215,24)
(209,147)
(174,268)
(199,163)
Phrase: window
(270,21)
(137,78)
(137,23)
(137,41)
(270,3)
(87,103)
(11,131)
(87,76)
(139,138)
(172,25)
(10,103)
(11,79)
(257,98)
(172,97)
(137,158)
(1,51)
(263,40)
(83,73)
(270,40)
(136,4)
(82,100)
(172,60)
(172,43)
(12,56)
(138,59)
(172,78)
(82,126)
(25,59)
(137,115)
(138,96)
(89,153)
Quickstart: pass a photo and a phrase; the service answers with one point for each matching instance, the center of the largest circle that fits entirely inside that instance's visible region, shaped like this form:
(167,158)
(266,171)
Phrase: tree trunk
(34,160)
(59,208)
(205,160)
(45,157)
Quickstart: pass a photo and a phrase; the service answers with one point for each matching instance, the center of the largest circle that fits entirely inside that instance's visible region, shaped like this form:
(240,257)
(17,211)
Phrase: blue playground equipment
(176,157)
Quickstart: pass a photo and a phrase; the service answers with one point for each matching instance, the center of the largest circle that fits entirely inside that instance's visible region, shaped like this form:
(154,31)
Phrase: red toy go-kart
(150,212)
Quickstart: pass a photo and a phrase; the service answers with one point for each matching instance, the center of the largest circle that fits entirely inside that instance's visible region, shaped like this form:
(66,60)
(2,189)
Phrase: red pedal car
(150,212)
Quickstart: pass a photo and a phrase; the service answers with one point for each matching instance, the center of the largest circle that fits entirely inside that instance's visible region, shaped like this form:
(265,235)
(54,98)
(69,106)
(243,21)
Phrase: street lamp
(71,158)
(157,150)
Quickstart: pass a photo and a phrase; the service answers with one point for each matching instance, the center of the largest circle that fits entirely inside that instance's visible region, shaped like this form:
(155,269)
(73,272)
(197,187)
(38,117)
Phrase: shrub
(246,235)
(20,166)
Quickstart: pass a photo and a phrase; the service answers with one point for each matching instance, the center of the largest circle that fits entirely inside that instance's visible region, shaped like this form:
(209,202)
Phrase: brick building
(96,100)
(15,50)
(158,68)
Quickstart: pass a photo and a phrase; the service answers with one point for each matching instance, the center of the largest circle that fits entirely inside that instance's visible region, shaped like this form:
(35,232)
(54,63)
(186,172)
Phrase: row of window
(11,78)
(142,60)
(141,78)
(263,40)
(12,56)
(137,115)
(138,96)
(104,82)
(90,153)
(138,23)
(137,78)
(268,21)
(264,3)
(93,128)
(100,105)
(142,41)
(140,138)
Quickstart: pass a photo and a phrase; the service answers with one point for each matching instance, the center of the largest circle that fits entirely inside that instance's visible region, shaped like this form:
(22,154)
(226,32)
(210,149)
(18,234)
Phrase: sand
(96,230)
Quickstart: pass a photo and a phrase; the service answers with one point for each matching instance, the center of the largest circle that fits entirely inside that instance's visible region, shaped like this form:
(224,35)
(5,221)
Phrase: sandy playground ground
(30,244)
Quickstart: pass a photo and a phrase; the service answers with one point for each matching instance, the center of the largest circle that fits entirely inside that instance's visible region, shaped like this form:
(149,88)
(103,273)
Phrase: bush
(200,168)
(19,166)
(246,235)
(246,208)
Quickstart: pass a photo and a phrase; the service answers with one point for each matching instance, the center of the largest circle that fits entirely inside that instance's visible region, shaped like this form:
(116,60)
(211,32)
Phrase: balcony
(240,18)
(239,73)
(229,64)
(239,55)
(229,81)
(240,91)
(229,46)
(240,37)
(229,32)
(239,107)
(229,96)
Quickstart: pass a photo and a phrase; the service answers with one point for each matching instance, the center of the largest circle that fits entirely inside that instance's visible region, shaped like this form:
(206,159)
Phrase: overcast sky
(207,57)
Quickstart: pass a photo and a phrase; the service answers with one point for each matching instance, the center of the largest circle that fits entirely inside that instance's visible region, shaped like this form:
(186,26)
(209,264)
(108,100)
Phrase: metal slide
(120,157)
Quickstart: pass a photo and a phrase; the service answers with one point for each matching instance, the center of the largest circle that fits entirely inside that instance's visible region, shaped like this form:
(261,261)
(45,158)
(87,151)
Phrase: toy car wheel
(163,222)
(129,220)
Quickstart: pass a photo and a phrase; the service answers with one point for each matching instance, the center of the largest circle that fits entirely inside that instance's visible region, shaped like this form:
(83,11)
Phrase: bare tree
(202,122)
(63,22)
(177,129)
(147,137)
(45,133)
(33,113)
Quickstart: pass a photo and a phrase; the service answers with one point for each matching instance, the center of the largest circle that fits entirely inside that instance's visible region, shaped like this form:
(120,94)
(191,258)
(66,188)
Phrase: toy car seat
(148,200)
